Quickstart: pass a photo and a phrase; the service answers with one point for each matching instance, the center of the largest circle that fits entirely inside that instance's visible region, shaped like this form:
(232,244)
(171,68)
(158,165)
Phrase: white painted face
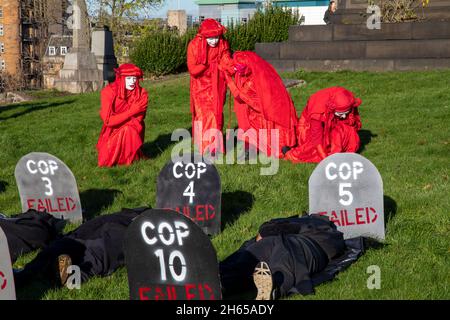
(342,115)
(130,83)
(213,42)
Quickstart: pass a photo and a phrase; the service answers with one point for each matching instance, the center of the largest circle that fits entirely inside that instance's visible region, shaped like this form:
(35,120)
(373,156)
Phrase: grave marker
(348,189)
(46,183)
(168,257)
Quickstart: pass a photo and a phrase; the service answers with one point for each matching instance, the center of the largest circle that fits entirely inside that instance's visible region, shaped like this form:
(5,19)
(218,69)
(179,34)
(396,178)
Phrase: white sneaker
(262,276)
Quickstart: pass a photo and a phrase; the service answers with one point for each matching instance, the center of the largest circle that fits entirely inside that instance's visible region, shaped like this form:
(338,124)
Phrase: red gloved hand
(240,68)
(321,151)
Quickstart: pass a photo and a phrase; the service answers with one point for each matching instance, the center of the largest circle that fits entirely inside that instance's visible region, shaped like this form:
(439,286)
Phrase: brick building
(25,29)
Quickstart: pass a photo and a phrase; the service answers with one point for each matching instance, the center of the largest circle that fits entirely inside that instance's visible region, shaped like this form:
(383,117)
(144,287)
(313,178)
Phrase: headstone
(192,188)
(80,72)
(348,189)
(46,183)
(168,257)
(7,289)
(103,48)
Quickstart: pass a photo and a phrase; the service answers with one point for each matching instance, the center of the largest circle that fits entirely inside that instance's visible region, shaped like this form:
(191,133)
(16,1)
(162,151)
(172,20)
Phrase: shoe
(263,281)
(64,262)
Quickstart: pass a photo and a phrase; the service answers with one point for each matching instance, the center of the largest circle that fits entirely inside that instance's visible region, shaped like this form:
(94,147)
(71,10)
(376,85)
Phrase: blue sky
(188,5)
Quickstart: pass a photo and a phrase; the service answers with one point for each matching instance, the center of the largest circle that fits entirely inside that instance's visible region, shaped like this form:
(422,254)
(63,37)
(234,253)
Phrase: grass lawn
(406,119)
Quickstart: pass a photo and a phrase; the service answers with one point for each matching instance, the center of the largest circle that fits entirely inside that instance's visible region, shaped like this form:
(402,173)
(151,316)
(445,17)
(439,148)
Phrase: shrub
(270,25)
(160,52)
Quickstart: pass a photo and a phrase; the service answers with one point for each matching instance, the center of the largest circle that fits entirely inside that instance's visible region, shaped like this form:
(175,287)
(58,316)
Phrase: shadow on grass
(390,208)
(94,201)
(3,186)
(155,148)
(32,108)
(365,137)
(234,204)
(35,290)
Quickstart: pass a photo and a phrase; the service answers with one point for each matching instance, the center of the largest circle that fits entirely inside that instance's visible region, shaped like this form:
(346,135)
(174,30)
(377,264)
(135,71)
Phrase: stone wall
(401,46)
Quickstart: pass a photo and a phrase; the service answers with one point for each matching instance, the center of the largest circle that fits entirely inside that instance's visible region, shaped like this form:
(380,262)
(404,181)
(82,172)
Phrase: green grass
(407,115)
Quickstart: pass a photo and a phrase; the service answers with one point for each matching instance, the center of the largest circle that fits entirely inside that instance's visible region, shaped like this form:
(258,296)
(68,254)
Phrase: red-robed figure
(329,124)
(262,102)
(123,108)
(208,85)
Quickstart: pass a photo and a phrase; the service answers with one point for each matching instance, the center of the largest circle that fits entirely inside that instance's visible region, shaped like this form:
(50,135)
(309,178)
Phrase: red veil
(208,85)
(123,112)
(262,103)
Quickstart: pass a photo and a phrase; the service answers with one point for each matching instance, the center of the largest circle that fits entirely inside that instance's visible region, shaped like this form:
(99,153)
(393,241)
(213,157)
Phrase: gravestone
(348,189)
(192,188)
(7,289)
(168,257)
(103,48)
(46,184)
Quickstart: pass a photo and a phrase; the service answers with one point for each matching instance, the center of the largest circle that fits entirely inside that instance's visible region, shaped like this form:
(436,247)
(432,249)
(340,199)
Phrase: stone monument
(178,19)
(80,72)
(103,49)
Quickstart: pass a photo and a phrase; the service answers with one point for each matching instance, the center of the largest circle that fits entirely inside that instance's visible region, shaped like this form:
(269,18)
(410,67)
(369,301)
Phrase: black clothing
(96,247)
(29,231)
(296,249)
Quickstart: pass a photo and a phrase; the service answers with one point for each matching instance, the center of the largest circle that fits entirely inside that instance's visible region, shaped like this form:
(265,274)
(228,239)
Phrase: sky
(188,5)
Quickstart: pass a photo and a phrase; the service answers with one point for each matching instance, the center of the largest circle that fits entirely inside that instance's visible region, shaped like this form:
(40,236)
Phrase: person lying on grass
(288,256)
(96,247)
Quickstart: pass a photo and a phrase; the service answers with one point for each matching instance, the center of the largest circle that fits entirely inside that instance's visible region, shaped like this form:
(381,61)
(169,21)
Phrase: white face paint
(213,42)
(130,83)
(342,115)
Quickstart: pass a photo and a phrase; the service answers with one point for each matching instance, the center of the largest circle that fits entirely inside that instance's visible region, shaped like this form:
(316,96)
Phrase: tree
(113,13)
(121,16)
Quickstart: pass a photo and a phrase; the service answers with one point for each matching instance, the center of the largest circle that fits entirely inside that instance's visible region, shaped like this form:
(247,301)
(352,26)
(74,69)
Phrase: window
(2,47)
(63,51)
(3,65)
(1,12)
(52,51)
(1,30)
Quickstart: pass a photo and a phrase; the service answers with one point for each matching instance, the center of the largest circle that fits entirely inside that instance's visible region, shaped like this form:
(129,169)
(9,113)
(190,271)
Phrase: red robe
(123,112)
(208,86)
(320,132)
(262,102)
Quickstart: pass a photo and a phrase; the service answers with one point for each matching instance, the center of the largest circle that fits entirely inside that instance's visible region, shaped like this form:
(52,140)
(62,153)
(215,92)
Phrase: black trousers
(96,247)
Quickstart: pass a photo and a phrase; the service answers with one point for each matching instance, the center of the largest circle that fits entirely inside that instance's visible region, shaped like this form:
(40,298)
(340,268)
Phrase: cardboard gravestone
(47,184)
(348,189)
(7,289)
(192,188)
(168,257)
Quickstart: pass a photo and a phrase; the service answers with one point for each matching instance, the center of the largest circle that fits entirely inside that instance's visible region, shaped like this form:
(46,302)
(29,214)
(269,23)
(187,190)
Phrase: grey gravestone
(192,188)
(103,48)
(7,289)
(348,189)
(168,257)
(46,183)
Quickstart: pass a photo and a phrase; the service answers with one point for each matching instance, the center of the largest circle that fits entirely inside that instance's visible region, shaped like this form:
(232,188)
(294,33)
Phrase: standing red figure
(329,124)
(262,103)
(123,108)
(208,85)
